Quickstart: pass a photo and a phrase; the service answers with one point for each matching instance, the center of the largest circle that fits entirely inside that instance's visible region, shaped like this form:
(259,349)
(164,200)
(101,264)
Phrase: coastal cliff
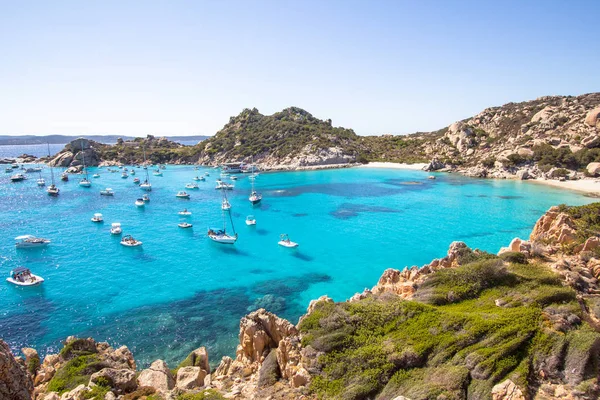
(522,324)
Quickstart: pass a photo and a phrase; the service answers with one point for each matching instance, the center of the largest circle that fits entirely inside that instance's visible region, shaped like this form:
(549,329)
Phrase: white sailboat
(85,182)
(255,197)
(52,189)
(221,235)
(41,181)
(146,184)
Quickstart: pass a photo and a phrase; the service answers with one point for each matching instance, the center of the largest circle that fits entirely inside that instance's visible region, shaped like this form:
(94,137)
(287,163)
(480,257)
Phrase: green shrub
(559,172)
(141,391)
(489,162)
(75,372)
(208,394)
(514,257)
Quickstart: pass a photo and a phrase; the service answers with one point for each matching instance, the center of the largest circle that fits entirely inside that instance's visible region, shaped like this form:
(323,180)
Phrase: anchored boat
(30,241)
(22,276)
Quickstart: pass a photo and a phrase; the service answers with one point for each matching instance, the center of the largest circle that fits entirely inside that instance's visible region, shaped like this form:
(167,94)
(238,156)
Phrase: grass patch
(75,372)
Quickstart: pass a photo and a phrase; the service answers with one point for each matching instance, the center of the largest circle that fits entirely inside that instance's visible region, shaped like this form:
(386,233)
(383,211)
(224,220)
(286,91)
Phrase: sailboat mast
(83,161)
(51,171)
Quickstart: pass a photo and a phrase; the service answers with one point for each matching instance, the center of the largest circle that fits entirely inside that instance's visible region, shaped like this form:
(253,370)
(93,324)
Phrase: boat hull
(33,281)
(287,244)
(223,239)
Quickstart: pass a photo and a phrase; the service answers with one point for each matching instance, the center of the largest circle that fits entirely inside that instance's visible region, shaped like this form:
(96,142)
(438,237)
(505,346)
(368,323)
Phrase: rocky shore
(554,274)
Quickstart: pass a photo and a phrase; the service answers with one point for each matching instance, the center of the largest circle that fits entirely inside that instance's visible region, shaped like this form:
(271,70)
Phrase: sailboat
(221,235)
(255,197)
(52,189)
(146,184)
(85,181)
(41,181)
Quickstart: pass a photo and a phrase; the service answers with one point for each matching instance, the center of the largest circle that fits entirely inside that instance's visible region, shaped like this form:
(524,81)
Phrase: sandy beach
(418,166)
(591,186)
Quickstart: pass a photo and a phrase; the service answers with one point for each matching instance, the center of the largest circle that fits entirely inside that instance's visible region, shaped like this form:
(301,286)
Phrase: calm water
(181,291)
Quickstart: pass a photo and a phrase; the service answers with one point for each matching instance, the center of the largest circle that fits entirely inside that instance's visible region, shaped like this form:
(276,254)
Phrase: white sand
(582,185)
(392,165)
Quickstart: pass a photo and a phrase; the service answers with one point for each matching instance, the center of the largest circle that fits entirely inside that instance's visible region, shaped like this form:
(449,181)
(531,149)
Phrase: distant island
(6,140)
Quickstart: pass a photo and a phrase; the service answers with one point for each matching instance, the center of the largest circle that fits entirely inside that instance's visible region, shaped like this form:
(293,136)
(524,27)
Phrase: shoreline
(588,186)
(393,165)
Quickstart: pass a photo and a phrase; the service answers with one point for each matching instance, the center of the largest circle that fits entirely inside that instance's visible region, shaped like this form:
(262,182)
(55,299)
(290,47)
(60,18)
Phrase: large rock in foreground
(15,383)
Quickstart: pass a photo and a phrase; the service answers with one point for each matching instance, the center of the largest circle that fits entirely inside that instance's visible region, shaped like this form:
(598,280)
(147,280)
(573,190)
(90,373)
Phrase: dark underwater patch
(509,197)
(259,271)
(338,189)
(290,285)
(350,210)
(302,256)
(299,215)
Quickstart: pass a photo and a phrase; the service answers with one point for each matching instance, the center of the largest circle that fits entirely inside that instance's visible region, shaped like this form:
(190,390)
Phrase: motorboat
(53,190)
(30,241)
(115,228)
(13,166)
(185,213)
(8,170)
(132,172)
(64,177)
(196,178)
(41,182)
(124,175)
(233,178)
(129,241)
(284,240)
(140,203)
(158,172)
(225,205)
(431,177)
(32,169)
(196,168)
(146,198)
(223,186)
(107,192)
(85,183)
(163,167)
(97,218)
(182,195)
(192,186)
(22,276)
(201,178)
(18,177)
(220,236)
(184,225)
(206,173)
(250,220)
(136,180)
(96,176)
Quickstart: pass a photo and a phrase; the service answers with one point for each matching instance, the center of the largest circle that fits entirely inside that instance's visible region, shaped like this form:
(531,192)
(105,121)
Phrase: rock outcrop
(15,382)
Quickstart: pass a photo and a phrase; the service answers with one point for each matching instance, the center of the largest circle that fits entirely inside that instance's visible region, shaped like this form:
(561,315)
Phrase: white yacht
(192,186)
(250,220)
(223,186)
(96,176)
(21,276)
(140,203)
(185,213)
(115,228)
(29,241)
(182,195)
(97,217)
(107,192)
(184,225)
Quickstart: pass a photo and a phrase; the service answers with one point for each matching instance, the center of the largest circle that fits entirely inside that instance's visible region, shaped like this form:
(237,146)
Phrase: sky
(185,67)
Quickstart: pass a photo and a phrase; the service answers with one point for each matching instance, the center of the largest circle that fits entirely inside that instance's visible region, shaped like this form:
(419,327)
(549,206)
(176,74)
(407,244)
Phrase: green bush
(514,257)
(489,162)
(75,372)
(209,394)
(559,172)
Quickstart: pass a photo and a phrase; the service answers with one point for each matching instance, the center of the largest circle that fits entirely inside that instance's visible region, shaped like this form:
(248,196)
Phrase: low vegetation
(470,328)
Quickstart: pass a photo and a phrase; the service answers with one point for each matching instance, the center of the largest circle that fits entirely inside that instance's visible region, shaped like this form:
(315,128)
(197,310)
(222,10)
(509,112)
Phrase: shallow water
(180,291)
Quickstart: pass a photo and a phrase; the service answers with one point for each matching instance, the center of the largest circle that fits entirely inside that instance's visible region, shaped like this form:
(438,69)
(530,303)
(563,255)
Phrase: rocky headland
(520,324)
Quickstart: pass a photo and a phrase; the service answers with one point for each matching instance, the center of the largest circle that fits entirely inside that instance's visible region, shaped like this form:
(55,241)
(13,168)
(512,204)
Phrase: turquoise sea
(180,291)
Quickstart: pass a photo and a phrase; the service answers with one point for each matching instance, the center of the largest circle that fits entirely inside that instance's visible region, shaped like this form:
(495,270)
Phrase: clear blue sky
(185,67)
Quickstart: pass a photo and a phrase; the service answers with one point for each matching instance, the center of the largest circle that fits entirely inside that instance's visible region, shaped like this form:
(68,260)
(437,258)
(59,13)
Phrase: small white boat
(124,174)
(21,276)
(206,173)
(431,177)
(196,178)
(223,186)
(284,240)
(97,218)
(85,183)
(136,180)
(225,205)
(185,213)
(220,236)
(233,178)
(255,198)
(158,173)
(107,192)
(184,225)
(41,182)
(140,203)
(192,186)
(163,167)
(132,172)
(146,186)
(8,170)
(52,190)
(250,220)
(146,198)
(64,177)
(115,228)
(96,176)
(182,195)
(29,241)
(129,241)
(196,168)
